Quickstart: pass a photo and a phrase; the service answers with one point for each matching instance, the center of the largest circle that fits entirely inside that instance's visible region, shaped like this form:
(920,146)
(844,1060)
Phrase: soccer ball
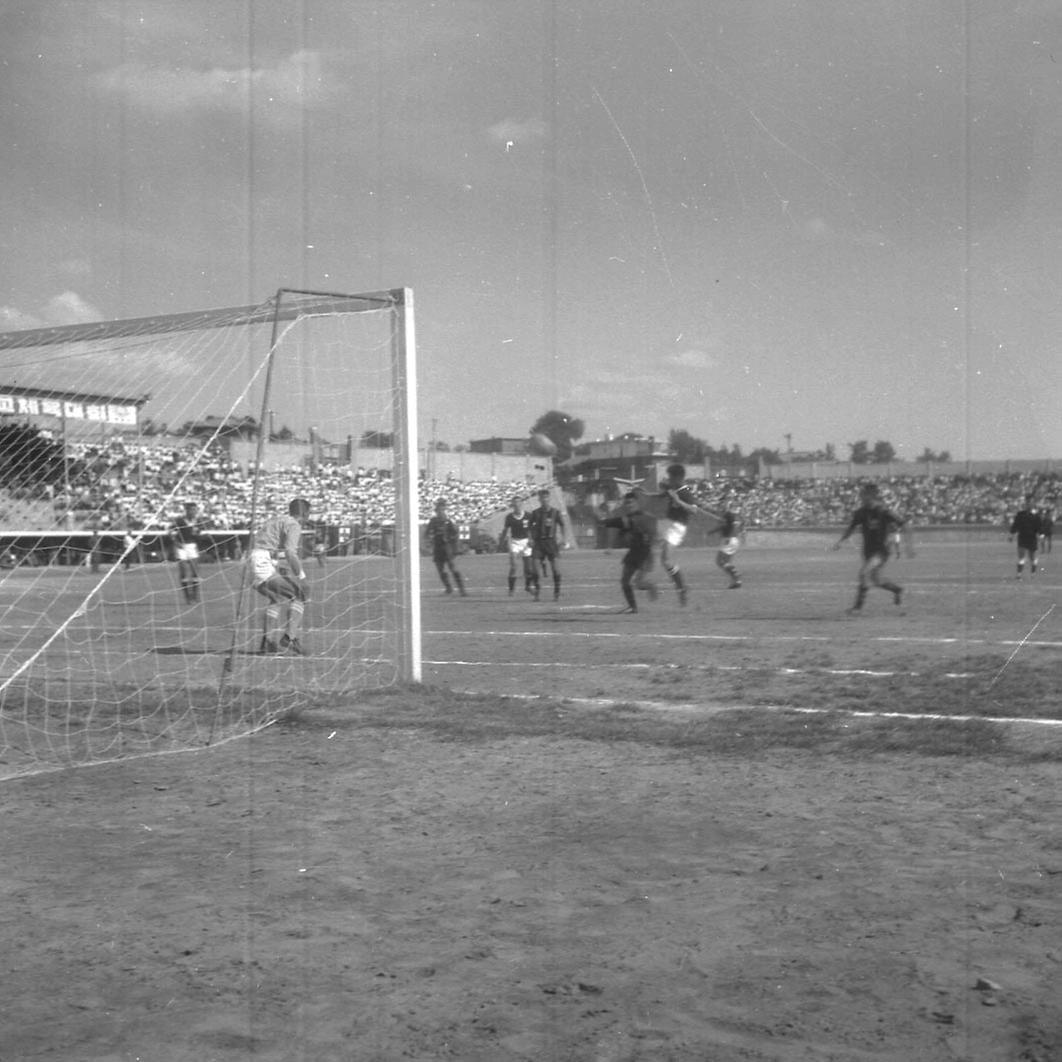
(541,445)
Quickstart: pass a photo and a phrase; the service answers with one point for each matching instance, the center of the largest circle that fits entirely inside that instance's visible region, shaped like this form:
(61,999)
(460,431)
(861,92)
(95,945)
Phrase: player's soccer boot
(897,596)
(854,611)
(628,610)
(683,596)
(293,648)
(267,647)
(735,585)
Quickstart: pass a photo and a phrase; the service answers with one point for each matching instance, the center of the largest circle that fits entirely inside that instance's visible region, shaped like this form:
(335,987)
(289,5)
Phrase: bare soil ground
(577,857)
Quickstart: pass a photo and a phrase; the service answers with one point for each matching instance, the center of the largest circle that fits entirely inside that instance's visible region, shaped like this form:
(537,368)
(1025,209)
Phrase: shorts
(263,567)
(187,551)
(520,547)
(546,550)
(276,583)
(729,546)
(674,532)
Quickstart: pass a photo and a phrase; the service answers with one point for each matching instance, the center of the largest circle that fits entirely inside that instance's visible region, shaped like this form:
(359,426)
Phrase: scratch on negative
(1018,648)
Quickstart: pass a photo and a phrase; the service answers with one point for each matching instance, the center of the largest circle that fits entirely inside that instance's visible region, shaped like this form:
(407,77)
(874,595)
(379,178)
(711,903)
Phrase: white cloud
(295,81)
(70,308)
(64,309)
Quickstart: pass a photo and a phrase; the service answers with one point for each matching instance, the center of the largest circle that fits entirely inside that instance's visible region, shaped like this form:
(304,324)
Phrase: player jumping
(681,505)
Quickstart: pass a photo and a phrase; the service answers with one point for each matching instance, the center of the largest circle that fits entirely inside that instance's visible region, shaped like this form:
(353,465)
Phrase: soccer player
(876,524)
(549,534)
(1047,528)
(442,535)
(1026,525)
(185,533)
(728,547)
(681,506)
(516,537)
(279,576)
(639,531)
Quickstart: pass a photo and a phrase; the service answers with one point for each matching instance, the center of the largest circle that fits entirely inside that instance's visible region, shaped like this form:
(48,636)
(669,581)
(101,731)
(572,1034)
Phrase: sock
(295,611)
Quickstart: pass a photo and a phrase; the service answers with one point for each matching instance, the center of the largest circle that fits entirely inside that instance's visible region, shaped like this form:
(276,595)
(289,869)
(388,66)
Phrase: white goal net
(116,639)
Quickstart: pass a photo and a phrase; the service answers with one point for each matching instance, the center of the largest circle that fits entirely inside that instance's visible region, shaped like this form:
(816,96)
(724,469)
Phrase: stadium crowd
(119,483)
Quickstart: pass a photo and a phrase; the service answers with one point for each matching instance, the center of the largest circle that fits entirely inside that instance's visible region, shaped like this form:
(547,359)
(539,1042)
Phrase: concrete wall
(466,466)
(918,469)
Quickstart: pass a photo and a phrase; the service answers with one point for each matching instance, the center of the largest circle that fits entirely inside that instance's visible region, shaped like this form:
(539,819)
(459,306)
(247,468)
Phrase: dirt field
(429,875)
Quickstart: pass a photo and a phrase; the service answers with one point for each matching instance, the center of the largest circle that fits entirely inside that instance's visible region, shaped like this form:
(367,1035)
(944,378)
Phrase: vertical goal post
(116,664)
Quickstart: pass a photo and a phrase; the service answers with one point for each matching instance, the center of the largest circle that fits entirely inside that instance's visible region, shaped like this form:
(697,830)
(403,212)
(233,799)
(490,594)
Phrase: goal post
(117,643)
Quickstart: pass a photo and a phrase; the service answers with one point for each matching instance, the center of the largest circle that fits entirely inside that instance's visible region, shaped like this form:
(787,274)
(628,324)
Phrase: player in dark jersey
(186,532)
(1027,526)
(876,524)
(549,534)
(516,538)
(443,538)
(681,506)
(639,531)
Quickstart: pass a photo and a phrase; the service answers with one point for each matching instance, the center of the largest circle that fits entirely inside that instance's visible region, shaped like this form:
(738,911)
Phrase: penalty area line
(705,709)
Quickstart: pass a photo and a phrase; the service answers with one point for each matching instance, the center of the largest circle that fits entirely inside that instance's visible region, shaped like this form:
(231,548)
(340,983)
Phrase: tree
(883,452)
(930,457)
(859,452)
(768,457)
(562,428)
(687,449)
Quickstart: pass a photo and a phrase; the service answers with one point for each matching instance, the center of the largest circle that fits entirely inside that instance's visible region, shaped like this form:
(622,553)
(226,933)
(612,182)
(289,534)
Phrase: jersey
(876,523)
(278,534)
(187,531)
(545,526)
(517,527)
(1026,525)
(675,512)
(639,533)
(443,536)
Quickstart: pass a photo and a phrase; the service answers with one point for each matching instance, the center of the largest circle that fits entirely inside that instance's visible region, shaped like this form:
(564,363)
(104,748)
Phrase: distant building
(626,458)
(498,446)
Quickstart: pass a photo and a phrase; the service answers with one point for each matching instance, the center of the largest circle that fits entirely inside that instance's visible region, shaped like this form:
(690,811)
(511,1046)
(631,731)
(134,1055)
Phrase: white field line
(584,666)
(689,706)
(567,635)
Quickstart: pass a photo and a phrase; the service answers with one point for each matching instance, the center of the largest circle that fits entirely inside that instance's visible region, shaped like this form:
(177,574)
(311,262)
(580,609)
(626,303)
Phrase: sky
(769,223)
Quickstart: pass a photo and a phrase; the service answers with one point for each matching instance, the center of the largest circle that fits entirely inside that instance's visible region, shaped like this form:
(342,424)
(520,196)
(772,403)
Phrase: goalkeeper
(279,576)
(639,531)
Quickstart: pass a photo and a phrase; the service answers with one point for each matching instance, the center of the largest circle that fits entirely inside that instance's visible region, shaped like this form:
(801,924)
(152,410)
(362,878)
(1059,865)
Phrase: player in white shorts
(728,546)
(279,576)
(681,505)
(516,538)
(185,534)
